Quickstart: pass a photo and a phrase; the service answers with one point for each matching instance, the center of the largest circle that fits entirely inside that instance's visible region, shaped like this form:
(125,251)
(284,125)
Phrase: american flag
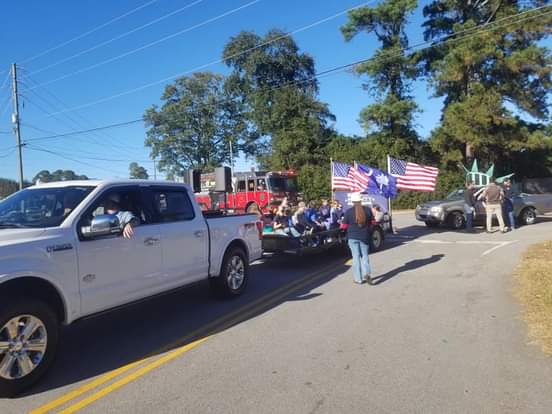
(359,178)
(411,176)
(341,177)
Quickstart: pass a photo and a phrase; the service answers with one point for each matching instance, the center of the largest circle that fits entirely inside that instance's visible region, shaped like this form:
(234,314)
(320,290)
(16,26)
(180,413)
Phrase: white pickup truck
(63,257)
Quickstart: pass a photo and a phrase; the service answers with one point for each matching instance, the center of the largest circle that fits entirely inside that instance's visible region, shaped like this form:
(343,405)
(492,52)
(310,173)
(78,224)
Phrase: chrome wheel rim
(23,343)
(236,272)
(530,217)
(458,221)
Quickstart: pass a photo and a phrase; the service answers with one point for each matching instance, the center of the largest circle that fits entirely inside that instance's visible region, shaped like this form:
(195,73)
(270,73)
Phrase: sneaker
(368,279)
(359,283)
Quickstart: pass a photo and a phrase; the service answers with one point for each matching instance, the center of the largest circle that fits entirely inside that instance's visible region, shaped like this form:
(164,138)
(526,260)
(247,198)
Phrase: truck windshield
(40,207)
(281,184)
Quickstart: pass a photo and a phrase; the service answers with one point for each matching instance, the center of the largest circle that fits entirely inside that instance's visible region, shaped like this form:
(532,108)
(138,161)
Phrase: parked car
(63,258)
(450,211)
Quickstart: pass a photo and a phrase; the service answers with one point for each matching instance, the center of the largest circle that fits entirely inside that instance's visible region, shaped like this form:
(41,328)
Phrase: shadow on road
(101,344)
(413,264)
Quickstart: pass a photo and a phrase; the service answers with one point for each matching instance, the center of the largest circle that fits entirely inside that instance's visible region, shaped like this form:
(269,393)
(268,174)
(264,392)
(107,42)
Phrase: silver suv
(450,211)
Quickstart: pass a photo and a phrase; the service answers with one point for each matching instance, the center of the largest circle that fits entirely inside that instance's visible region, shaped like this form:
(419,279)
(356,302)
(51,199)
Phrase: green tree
(491,80)
(276,83)
(389,121)
(7,187)
(137,171)
(196,123)
(46,176)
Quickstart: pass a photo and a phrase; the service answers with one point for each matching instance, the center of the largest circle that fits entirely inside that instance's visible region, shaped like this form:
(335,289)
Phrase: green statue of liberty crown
(480,178)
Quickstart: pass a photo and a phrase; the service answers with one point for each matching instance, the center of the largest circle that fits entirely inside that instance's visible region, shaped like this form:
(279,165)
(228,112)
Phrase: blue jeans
(468,212)
(361,263)
(508,209)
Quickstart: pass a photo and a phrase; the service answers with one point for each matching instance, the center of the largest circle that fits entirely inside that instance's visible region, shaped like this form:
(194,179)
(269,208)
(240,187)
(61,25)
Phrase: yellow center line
(85,388)
(131,377)
(223,321)
(177,352)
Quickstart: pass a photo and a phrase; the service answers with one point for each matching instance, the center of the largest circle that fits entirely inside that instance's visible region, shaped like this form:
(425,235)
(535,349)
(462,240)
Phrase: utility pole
(15,121)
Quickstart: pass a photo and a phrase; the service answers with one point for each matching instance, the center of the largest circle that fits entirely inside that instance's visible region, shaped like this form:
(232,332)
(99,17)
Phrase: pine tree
(389,121)
(494,77)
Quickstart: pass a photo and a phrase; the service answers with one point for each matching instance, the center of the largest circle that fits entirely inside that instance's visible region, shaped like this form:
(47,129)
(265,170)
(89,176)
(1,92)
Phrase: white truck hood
(12,236)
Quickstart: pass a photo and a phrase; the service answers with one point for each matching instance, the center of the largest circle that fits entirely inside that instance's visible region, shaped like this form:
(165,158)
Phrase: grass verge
(534,290)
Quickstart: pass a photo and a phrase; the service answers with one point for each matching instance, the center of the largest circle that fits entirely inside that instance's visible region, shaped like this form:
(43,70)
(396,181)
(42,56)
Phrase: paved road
(439,334)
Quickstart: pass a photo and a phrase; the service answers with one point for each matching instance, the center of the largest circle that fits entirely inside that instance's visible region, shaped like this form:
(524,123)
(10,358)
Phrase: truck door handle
(198,233)
(150,241)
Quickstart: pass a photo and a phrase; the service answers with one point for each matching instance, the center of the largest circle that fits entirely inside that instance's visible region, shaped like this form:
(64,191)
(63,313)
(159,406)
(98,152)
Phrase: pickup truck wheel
(233,277)
(528,216)
(376,239)
(29,333)
(456,220)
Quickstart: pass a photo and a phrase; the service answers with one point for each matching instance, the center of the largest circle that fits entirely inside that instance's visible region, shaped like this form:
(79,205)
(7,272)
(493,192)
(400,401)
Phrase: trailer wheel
(376,239)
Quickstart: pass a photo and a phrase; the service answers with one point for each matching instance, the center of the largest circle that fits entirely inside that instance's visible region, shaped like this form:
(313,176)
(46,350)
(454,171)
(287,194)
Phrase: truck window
(251,185)
(127,199)
(241,186)
(172,205)
(261,184)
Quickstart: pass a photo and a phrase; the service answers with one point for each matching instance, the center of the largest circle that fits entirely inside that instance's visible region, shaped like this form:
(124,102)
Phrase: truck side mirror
(102,225)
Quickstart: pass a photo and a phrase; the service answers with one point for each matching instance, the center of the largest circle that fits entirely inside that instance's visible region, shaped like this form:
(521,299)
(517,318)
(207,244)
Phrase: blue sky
(30,28)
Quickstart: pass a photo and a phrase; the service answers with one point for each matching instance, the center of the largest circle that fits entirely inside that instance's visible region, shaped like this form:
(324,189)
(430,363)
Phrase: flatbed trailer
(317,241)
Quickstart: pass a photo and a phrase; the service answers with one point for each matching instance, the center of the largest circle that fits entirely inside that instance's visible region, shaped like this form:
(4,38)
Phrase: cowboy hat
(356,198)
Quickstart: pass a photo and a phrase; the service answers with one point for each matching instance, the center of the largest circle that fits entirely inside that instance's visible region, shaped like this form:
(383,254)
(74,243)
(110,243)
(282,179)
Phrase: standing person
(469,204)
(508,205)
(357,221)
(493,196)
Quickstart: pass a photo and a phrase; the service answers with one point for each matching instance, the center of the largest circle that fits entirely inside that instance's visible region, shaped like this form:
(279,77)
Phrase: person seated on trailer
(325,214)
(281,224)
(336,213)
(378,214)
(314,217)
(299,220)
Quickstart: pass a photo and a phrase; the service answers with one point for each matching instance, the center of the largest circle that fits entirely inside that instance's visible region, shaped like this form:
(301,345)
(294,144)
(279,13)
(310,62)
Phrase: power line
(8,153)
(95,157)
(79,153)
(120,124)
(34,148)
(90,31)
(468,33)
(301,29)
(6,106)
(133,51)
(323,73)
(100,134)
(118,37)
(36,128)
(4,84)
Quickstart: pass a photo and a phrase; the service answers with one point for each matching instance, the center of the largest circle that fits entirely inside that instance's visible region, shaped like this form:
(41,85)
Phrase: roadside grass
(534,291)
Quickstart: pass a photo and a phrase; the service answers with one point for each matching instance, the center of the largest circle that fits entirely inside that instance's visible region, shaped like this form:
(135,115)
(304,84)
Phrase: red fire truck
(256,188)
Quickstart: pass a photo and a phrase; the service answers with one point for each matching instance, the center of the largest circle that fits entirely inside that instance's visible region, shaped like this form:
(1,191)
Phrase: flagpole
(331,180)
(389,207)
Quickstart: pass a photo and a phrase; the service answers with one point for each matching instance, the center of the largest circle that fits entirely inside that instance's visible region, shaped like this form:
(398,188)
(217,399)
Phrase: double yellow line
(177,348)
